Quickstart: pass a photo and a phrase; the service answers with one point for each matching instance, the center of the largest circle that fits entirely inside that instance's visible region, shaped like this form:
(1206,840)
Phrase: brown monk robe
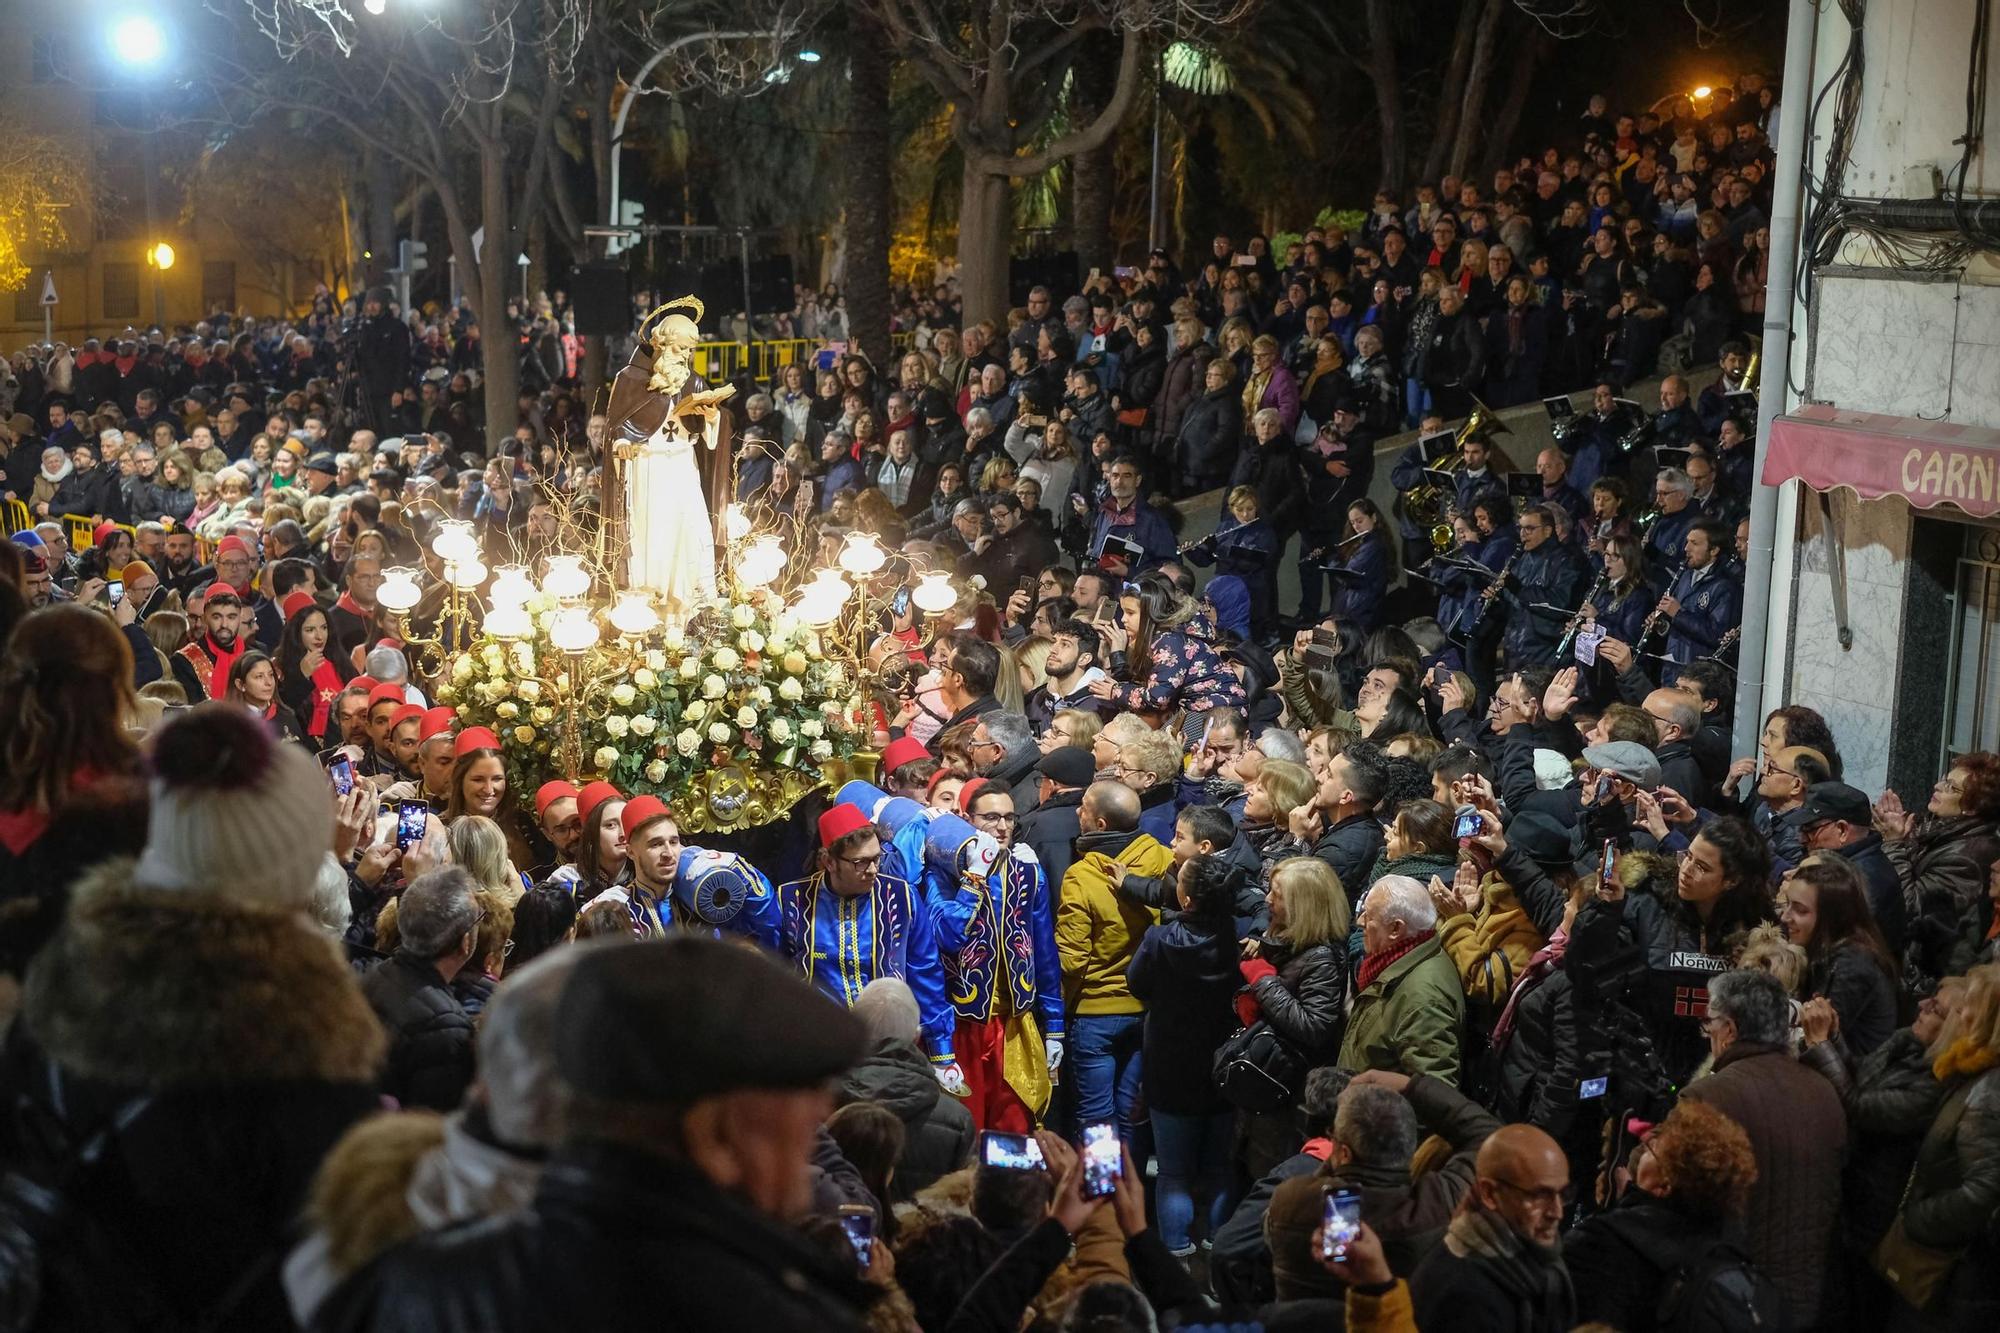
(636,411)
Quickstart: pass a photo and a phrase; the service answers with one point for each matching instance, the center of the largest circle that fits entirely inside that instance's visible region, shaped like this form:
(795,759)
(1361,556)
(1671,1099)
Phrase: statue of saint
(669,439)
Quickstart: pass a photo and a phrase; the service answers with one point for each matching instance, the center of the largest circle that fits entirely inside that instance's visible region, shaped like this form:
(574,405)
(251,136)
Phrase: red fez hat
(643,810)
(840,821)
(296,603)
(363,683)
(437,721)
(385,693)
(404,714)
(232,543)
(595,794)
(102,532)
(549,793)
(904,751)
(970,790)
(474,738)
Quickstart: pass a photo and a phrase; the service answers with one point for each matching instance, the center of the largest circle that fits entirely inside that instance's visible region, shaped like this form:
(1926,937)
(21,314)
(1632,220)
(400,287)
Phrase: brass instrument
(1638,434)
(1642,524)
(1426,504)
(1749,384)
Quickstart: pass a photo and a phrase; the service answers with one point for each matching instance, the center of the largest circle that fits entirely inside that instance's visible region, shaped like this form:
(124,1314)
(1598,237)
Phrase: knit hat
(474,738)
(593,795)
(549,793)
(641,811)
(292,606)
(840,821)
(363,683)
(437,721)
(907,750)
(134,569)
(235,813)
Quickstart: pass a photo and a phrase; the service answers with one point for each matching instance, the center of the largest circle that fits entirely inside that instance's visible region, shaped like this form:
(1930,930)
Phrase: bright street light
(1703,91)
(161,256)
(809,56)
(137,41)
(375,6)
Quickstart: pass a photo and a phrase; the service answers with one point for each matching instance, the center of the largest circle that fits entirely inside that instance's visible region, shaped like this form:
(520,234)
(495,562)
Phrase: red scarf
(345,602)
(21,829)
(218,679)
(1375,963)
(326,688)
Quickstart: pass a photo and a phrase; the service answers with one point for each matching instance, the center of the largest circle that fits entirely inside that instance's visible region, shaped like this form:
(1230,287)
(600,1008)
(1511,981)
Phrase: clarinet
(1575,626)
(1654,623)
(1492,593)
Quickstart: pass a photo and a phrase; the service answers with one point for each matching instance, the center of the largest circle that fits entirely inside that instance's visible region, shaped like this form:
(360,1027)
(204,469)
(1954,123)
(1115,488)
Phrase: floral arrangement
(744,684)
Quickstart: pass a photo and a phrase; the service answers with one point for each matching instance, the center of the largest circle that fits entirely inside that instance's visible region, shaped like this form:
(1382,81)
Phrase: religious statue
(656,475)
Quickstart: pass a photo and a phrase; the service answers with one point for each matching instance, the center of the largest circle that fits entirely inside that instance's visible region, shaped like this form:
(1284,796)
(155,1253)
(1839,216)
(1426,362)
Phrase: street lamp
(161,256)
(138,41)
(1702,92)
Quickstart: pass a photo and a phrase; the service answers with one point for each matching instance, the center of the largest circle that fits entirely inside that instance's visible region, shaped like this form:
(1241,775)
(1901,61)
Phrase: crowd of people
(1431,963)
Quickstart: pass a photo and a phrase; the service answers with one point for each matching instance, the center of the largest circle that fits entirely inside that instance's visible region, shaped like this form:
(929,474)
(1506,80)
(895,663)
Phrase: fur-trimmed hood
(166,988)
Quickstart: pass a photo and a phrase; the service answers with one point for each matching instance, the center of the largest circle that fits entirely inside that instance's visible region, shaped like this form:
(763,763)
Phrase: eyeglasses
(1547,1196)
(995,817)
(861,862)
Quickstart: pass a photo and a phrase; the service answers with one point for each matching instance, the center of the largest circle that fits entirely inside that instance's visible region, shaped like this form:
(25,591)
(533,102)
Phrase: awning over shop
(1928,463)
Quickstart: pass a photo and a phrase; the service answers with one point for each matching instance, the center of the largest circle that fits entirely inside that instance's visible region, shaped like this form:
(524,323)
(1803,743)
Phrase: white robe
(672,538)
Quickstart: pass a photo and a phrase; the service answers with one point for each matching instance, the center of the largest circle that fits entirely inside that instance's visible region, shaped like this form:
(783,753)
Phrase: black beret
(1068,766)
(710,1018)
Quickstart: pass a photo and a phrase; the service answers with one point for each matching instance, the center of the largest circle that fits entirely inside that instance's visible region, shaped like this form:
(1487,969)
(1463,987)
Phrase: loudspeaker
(602,299)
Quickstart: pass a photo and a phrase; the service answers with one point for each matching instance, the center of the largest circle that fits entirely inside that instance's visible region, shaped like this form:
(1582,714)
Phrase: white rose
(655,660)
(762,696)
(696,710)
(821,751)
(795,662)
(675,639)
(784,626)
(622,694)
(834,676)
(712,687)
(725,658)
(790,690)
(644,678)
(605,757)
(543,716)
(656,772)
(525,735)
(529,689)
(978,581)
(509,711)
(781,730)
(690,668)
(744,616)
(811,727)
(617,725)
(496,668)
(750,641)
(719,732)
(643,725)
(688,741)
(461,669)
(746,717)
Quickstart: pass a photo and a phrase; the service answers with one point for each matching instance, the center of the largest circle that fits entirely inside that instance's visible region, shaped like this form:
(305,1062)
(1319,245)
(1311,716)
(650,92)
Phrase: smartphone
(1026,584)
(1607,874)
(1326,638)
(117,591)
(858,1221)
(341,771)
(1341,1225)
(1592,1087)
(1603,793)
(900,605)
(1009,1152)
(1103,1160)
(153,601)
(410,819)
(1466,822)
(1103,614)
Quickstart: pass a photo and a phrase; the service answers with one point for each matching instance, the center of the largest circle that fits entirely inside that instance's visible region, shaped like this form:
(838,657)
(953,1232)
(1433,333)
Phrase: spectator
(938,1133)
(430,1034)
(1499,1266)
(1408,1003)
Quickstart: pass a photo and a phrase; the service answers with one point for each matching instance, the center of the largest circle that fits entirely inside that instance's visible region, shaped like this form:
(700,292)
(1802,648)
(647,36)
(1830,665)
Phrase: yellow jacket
(1098,929)
(1489,948)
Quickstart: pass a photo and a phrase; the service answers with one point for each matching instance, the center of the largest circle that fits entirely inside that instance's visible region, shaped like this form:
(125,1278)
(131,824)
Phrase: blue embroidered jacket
(998,939)
(842,944)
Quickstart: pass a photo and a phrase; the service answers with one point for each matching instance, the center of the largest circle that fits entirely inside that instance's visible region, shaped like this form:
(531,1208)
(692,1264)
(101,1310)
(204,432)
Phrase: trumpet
(1426,504)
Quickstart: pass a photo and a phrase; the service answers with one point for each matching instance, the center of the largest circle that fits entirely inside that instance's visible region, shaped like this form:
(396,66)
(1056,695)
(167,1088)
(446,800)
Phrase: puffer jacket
(1098,929)
(430,1034)
(938,1134)
(1184,670)
(1491,946)
(1942,865)
(1306,1002)
(1891,1097)
(1955,1186)
(1863,994)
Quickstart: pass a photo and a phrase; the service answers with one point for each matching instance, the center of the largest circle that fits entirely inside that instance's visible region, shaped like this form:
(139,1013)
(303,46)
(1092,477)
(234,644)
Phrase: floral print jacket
(1186,670)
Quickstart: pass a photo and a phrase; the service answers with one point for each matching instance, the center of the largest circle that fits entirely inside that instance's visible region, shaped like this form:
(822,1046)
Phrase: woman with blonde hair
(1277,788)
(479,846)
(1031,656)
(1297,975)
(1072,726)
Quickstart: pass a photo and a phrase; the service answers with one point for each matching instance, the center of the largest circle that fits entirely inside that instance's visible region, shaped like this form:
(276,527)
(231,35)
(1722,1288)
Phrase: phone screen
(1603,787)
(1010,1152)
(858,1221)
(117,591)
(1103,1160)
(1467,823)
(410,818)
(1592,1087)
(1608,874)
(1341,1224)
(342,772)
(901,604)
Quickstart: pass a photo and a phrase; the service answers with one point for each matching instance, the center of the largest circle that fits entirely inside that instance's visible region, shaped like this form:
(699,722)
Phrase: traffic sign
(48,287)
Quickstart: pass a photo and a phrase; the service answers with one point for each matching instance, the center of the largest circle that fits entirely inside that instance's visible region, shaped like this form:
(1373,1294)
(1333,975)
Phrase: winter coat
(938,1134)
(1098,929)
(1621,1261)
(93,493)
(1942,866)
(1306,1002)
(1185,975)
(1799,1134)
(247,1032)
(1351,848)
(1490,946)
(1210,432)
(1408,1212)
(1885,888)
(613,1238)
(1891,1097)
(1186,376)
(1274,471)
(1408,1017)
(1183,669)
(1462,1289)
(1955,1186)
(430,1034)
(1050,830)
(1863,995)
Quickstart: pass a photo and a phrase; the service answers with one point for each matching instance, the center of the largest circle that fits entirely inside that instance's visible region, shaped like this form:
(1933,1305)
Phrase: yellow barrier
(717,361)
(19,519)
(83,531)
